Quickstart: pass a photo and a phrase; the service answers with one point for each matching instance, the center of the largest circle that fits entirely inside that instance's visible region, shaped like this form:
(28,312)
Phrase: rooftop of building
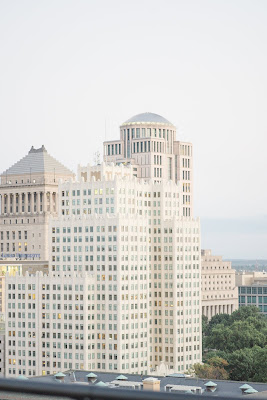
(223,388)
(37,161)
(148,118)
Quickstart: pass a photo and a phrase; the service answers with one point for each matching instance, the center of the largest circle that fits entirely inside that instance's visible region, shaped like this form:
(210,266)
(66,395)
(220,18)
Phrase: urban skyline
(99,64)
(120,275)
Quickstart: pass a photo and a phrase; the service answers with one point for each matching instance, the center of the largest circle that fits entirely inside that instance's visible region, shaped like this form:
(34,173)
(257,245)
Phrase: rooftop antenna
(97,158)
(105,129)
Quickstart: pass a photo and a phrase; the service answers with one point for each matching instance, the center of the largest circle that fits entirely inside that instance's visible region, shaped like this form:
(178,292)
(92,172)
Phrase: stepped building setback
(29,195)
(219,290)
(123,292)
(148,142)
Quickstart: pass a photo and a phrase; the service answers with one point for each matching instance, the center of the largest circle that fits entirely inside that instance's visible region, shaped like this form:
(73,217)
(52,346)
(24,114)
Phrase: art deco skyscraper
(124,290)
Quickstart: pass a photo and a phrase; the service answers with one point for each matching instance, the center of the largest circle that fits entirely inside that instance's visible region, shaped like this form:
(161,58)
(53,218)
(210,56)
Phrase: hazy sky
(70,68)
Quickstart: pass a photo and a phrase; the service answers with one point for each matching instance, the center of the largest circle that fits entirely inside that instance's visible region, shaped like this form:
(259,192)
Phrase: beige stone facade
(29,196)
(123,292)
(2,345)
(219,291)
(148,142)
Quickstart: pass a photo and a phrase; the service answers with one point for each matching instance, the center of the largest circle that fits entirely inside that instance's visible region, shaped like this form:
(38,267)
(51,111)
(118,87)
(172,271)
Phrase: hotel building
(124,288)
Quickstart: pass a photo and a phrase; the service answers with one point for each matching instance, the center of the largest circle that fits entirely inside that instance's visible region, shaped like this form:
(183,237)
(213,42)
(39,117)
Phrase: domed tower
(148,142)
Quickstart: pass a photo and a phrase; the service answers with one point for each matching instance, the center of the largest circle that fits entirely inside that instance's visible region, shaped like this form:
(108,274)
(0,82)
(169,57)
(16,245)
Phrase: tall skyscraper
(124,289)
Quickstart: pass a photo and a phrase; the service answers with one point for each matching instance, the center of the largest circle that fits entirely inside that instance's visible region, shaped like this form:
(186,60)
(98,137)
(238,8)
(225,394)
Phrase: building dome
(147,118)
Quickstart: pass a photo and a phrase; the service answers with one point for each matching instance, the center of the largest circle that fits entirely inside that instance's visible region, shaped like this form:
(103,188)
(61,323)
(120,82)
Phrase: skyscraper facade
(124,289)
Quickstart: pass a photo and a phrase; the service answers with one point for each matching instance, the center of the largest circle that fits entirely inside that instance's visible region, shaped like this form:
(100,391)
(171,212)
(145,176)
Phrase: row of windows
(147,132)
(114,149)
(87,239)
(89,211)
(13,235)
(78,202)
(253,299)
(252,290)
(13,247)
(22,221)
(87,192)
(110,228)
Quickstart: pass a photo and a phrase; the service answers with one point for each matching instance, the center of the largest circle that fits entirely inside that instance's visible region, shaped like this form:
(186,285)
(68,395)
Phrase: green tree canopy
(248,364)
(240,340)
(239,335)
(245,312)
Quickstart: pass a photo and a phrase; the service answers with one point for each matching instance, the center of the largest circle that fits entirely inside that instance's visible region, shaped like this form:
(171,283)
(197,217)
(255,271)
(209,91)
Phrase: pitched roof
(37,161)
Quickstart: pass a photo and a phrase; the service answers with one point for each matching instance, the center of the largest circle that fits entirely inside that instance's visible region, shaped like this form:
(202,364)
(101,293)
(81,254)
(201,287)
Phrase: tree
(207,371)
(218,319)
(212,354)
(205,324)
(239,335)
(245,312)
(260,364)
(241,365)
(241,341)
(217,362)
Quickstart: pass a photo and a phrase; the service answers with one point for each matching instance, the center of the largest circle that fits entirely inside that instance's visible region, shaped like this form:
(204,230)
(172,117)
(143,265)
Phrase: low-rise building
(219,291)
(252,289)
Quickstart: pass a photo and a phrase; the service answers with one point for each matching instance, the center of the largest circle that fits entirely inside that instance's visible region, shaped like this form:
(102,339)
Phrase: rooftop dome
(147,118)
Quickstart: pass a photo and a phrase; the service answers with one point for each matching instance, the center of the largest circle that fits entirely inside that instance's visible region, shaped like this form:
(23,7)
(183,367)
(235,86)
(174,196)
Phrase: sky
(72,71)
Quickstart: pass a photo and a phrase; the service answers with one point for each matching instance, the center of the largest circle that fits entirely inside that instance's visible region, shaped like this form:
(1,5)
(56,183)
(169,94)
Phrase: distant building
(219,291)
(29,196)
(252,289)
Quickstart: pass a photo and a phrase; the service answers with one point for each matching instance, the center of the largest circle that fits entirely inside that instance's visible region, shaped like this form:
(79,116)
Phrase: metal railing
(87,392)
